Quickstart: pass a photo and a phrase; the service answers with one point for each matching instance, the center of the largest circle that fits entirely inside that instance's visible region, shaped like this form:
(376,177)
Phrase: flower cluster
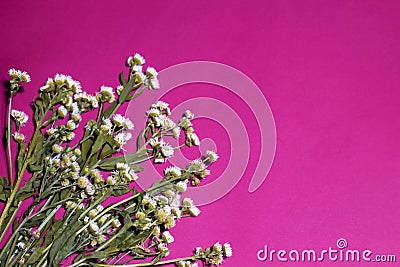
(73,178)
(149,77)
(214,255)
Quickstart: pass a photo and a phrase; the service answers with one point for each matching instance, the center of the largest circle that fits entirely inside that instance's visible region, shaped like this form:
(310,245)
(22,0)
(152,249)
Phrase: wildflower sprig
(75,177)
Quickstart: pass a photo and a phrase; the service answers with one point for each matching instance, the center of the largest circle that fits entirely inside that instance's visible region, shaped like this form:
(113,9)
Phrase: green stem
(21,173)
(193,258)
(10,167)
(107,210)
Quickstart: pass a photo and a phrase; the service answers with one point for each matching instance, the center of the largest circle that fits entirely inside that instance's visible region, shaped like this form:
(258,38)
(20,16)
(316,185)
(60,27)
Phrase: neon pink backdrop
(328,69)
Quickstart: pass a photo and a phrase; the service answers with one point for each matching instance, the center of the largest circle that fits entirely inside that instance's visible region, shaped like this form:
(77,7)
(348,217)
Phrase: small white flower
(153,112)
(116,223)
(187,202)
(119,89)
(60,78)
(217,247)
(106,126)
(167,237)
(167,150)
(188,114)
(181,186)
(151,72)
(111,180)
(57,148)
(118,119)
(71,125)
(154,142)
(154,83)
(194,139)
(138,59)
(194,211)
(20,117)
(93,227)
(62,111)
(176,132)
(212,155)
(122,166)
(108,93)
(174,170)
(128,124)
(137,68)
(227,249)
(140,77)
(122,138)
(196,166)
(15,74)
(19,137)
(25,77)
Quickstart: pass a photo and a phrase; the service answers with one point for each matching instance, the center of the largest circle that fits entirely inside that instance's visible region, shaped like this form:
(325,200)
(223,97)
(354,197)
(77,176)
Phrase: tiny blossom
(128,124)
(119,89)
(176,132)
(20,117)
(154,142)
(122,166)
(93,227)
(19,137)
(196,166)
(185,123)
(188,114)
(118,119)
(154,83)
(71,125)
(167,237)
(111,180)
(227,249)
(122,138)
(15,74)
(167,150)
(194,139)
(217,247)
(57,148)
(140,77)
(139,59)
(181,186)
(151,72)
(194,211)
(153,112)
(116,223)
(107,93)
(187,202)
(62,111)
(173,170)
(137,68)
(212,155)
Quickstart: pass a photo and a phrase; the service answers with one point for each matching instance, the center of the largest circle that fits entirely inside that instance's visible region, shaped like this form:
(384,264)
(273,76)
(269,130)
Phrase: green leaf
(131,159)
(5,190)
(63,244)
(122,79)
(36,255)
(21,155)
(26,191)
(85,147)
(119,191)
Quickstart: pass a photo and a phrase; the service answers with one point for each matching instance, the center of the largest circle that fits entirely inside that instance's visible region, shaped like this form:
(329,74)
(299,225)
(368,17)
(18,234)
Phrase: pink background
(328,69)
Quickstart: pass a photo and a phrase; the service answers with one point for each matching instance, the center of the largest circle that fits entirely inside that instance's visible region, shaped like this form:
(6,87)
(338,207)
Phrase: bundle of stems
(70,180)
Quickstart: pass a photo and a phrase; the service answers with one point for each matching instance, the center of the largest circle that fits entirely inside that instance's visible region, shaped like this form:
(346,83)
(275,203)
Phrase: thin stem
(10,165)
(21,173)
(193,258)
